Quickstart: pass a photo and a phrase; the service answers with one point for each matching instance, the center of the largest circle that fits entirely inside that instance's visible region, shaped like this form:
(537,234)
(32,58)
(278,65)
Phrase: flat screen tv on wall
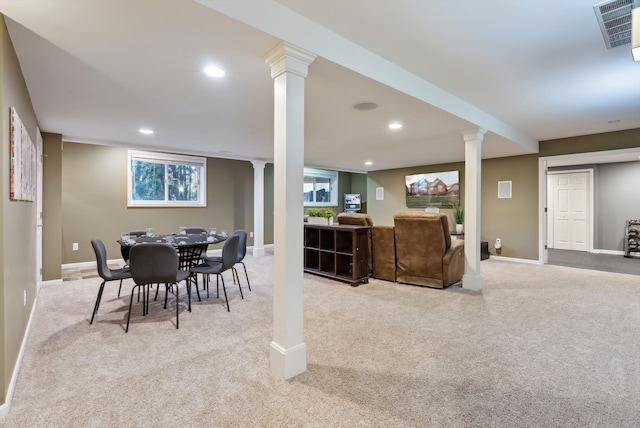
(436,189)
(352,202)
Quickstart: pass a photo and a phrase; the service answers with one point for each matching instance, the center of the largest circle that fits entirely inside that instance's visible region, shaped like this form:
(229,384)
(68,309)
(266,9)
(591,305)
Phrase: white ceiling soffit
(614,18)
(593,158)
(292,27)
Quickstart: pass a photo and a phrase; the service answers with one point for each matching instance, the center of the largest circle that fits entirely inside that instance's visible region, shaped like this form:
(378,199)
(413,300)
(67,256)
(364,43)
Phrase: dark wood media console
(337,252)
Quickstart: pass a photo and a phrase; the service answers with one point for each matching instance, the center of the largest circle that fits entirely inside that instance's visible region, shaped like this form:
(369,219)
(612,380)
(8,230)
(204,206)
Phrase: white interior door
(571,211)
(39,157)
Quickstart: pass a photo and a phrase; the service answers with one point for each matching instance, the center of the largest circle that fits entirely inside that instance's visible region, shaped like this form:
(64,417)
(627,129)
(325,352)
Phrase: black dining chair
(124,249)
(105,272)
(229,252)
(156,263)
(190,256)
(242,252)
(198,231)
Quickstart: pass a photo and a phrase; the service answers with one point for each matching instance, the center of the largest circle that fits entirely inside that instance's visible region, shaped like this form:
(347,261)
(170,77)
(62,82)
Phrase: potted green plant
(458,216)
(320,216)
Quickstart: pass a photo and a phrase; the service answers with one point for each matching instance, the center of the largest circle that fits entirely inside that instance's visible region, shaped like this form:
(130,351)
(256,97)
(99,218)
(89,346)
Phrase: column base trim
(472,282)
(287,363)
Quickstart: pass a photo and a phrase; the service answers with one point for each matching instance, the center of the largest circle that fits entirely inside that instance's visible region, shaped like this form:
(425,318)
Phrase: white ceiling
(526,70)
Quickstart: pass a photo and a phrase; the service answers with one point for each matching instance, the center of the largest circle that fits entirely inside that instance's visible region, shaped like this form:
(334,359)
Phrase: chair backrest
(242,244)
(421,243)
(153,262)
(230,252)
(191,255)
(101,258)
(195,230)
(355,219)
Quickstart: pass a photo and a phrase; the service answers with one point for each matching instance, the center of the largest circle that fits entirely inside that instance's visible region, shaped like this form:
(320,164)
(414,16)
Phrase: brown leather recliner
(382,247)
(383,240)
(425,253)
(355,219)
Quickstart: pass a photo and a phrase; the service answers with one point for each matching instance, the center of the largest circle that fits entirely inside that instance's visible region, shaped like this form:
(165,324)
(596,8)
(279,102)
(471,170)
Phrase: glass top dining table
(191,248)
(177,240)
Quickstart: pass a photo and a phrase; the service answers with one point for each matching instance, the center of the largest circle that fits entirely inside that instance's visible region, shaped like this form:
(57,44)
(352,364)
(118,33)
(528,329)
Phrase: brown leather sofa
(382,262)
(425,253)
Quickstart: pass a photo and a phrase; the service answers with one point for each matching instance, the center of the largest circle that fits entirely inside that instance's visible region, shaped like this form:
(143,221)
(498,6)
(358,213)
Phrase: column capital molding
(258,164)
(288,58)
(474,134)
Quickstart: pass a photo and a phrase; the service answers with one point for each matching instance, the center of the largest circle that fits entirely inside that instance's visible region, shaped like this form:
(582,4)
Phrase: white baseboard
(92,264)
(51,282)
(516,260)
(612,252)
(4,408)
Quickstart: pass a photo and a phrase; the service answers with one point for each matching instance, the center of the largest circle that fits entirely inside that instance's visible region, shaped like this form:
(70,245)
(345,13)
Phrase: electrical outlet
(75,246)
(25,298)
(250,234)
(498,244)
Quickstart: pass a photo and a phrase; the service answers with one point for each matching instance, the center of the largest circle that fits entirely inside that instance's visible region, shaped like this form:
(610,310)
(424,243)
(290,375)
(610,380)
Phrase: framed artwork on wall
(23,161)
(437,189)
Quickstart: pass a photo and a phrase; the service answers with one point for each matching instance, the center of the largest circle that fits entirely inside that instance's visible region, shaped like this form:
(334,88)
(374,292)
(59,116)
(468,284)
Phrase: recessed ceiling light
(368,163)
(213,71)
(146,131)
(395,125)
(364,106)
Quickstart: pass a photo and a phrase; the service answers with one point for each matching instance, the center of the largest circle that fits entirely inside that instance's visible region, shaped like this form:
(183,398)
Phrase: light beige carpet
(541,346)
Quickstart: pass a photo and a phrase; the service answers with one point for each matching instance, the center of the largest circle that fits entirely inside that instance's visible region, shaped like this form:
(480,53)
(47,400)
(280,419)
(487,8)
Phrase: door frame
(589,158)
(590,208)
(39,227)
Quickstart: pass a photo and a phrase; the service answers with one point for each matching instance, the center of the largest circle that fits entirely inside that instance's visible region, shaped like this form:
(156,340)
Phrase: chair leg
(245,274)
(126,330)
(166,295)
(97,305)
(234,274)
(145,298)
(119,288)
(225,293)
(178,304)
(188,291)
(197,289)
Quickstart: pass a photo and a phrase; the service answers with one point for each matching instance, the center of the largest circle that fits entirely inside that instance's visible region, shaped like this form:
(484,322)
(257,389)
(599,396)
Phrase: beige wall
(94,201)
(52,206)
(17,234)
(513,220)
(393,182)
(359,185)
(627,139)
(268,203)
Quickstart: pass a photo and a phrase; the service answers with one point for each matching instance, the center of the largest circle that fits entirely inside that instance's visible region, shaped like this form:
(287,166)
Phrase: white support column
(472,280)
(258,208)
(289,67)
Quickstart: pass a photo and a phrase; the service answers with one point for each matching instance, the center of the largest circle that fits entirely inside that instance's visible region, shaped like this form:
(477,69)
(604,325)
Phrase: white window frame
(324,173)
(167,159)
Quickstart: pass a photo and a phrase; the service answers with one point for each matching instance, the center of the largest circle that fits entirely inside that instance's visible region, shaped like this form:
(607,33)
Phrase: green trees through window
(157,179)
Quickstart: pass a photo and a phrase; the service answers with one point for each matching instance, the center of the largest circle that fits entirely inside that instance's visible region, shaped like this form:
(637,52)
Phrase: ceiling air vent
(614,18)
